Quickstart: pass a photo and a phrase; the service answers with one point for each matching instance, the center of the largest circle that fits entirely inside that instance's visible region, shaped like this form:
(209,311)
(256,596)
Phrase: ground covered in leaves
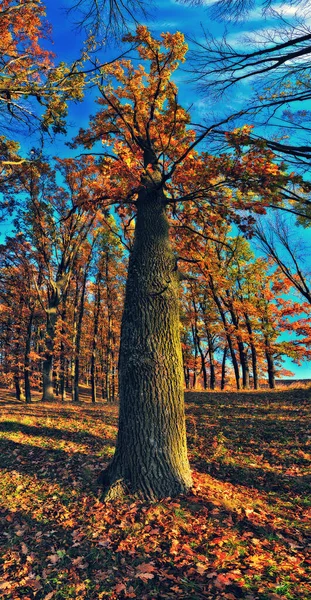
(243,532)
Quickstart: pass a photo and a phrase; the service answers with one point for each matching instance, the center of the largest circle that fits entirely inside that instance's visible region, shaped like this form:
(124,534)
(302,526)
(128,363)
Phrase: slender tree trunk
(151,452)
(95,334)
(113,379)
(77,345)
(203,365)
(241,346)
(223,368)
(186,371)
(270,364)
(228,335)
(18,389)
(253,351)
(194,374)
(26,357)
(244,364)
(47,366)
(16,365)
(74,337)
(210,351)
(109,350)
(198,343)
(211,361)
(63,361)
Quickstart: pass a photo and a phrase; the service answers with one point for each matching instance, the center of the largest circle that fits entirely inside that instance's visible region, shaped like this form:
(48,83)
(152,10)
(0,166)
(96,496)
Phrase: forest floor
(243,531)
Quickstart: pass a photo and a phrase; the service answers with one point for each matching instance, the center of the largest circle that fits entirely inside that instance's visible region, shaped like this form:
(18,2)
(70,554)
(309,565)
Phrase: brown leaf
(144,576)
(146,567)
(24,548)
(120,587)
(53,558)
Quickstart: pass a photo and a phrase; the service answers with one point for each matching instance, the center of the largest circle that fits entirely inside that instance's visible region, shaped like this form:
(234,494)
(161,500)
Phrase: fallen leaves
(234,536)
(145,571)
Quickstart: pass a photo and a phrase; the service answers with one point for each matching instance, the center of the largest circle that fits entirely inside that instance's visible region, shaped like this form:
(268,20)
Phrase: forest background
(245,305)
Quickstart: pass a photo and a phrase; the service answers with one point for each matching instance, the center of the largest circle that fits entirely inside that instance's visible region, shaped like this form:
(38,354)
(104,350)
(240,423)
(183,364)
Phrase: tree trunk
(270,364)
(18,389)
(228,335)
(95,334)
(26,357)
(151,452)
(198,343)
(75,396)
(212,378)
(253,351)
(47,367)
(223,368)
(74,336)
(210,349)
(62,359)
(16,367)
(244,364)
(241,345)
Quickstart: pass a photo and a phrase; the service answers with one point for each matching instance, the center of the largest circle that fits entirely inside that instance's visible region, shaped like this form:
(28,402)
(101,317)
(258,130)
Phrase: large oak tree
(149,165)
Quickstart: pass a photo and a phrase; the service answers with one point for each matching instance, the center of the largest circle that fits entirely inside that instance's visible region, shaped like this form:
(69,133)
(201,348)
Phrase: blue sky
(166,15)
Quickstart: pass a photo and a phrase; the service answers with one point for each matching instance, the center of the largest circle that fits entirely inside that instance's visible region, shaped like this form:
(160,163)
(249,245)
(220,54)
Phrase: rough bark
(151,452)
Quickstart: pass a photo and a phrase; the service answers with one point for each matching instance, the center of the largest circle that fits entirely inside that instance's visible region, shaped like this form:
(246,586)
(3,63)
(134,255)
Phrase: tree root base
(112,487)
(116,491)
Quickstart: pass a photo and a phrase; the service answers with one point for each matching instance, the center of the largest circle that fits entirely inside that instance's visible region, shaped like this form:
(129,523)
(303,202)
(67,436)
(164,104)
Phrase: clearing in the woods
(243,531)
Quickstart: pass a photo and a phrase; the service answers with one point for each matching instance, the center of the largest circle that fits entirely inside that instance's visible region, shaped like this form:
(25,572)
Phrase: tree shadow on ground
(54,465)
(51,432)
(106,413)
(257,478)
(254,398)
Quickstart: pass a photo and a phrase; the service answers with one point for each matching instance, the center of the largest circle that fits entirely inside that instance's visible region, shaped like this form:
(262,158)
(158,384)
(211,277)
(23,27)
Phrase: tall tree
(152,165)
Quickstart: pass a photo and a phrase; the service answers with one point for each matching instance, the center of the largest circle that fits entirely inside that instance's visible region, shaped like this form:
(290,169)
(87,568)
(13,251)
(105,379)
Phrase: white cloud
(164,25)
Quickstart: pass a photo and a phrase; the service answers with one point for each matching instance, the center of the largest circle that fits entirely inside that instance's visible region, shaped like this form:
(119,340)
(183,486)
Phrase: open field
(243,532)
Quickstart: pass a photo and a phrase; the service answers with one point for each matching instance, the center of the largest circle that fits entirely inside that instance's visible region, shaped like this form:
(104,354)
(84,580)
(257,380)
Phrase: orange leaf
(120,587)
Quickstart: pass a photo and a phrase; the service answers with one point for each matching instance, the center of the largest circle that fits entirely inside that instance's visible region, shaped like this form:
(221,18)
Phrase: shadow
(255,477)
(54,465)
(63,556)
(223,437)
(50,432)
(107,413)
(255,397)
